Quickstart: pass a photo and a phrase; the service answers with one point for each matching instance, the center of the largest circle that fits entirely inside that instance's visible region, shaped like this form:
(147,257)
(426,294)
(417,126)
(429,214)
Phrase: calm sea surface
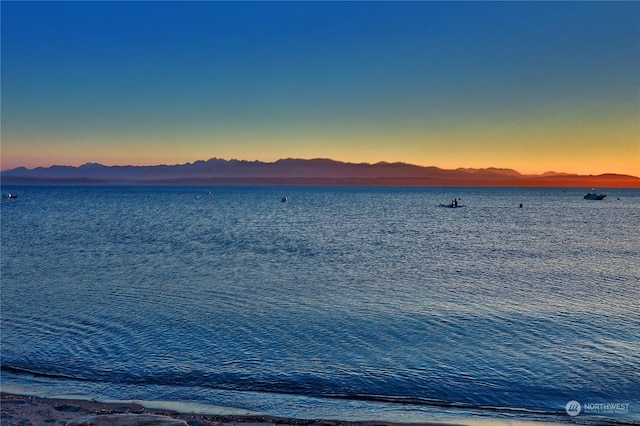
(353,303)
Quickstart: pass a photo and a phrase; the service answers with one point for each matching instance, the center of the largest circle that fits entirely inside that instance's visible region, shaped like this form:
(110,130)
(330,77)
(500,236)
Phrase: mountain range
(303,172)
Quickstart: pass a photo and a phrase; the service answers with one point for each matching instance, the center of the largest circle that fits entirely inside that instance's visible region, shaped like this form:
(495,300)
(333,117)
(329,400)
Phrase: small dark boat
(454,204)
(594,196)
(285,199)
(10,196)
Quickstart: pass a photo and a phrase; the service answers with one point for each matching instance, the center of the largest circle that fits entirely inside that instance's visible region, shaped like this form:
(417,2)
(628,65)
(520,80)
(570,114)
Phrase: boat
(594,195)
(10,196)
(284,199)
(454,204)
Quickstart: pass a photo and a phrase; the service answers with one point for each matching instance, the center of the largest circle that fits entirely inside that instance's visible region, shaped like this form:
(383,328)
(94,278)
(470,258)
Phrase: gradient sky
(533,86)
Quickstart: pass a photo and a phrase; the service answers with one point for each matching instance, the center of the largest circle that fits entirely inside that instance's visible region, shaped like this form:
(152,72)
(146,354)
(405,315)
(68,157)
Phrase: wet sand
(18,410)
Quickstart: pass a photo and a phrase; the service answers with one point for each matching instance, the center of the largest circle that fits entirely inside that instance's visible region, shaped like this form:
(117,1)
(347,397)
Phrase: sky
(532,86)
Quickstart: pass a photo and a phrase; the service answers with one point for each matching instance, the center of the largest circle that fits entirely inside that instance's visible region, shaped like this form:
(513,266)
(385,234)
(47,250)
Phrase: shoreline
(29,410)
(25,410)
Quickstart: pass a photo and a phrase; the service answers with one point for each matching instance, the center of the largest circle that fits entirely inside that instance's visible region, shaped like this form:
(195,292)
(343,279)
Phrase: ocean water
(354,303)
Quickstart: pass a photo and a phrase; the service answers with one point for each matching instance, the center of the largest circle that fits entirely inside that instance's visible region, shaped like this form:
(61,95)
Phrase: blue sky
(534,86)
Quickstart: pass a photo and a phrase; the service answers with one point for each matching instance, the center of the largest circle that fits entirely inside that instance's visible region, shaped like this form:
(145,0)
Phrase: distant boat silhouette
(285,199)
(594,196)
(454,204)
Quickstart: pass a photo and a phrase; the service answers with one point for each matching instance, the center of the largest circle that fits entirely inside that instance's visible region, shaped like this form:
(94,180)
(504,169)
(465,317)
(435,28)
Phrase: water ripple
(352,293)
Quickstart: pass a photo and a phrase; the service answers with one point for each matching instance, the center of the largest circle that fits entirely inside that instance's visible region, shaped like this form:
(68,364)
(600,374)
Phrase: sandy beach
(22,410)
(19,410)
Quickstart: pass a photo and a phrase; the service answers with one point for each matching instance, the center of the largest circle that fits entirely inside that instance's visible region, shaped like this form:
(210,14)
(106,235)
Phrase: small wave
(234,383)
(440,403)
(21,370)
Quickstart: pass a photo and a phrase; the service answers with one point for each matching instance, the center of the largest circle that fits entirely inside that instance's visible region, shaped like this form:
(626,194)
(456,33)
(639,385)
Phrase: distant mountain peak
(304,171)
(502,171)
(551,173)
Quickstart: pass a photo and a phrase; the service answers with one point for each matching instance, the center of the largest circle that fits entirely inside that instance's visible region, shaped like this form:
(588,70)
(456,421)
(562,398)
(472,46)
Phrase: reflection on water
(340,302)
